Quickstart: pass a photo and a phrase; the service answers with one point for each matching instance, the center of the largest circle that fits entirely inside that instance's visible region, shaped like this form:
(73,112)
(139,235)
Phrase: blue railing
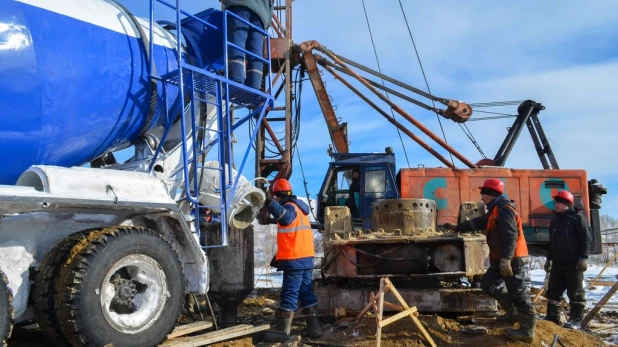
(194,80)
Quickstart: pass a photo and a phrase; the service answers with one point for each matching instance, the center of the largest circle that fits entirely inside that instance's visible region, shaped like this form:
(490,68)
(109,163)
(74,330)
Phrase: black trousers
(566,277)
(517,286)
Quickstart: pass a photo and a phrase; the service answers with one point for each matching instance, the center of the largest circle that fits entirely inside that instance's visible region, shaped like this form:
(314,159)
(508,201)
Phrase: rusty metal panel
(451,187)
(409,216)
(279,52)
(425,300)
(476,255)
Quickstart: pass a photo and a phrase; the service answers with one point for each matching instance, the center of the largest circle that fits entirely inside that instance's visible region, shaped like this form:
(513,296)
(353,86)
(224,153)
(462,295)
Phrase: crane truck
(393,229)
(99,251)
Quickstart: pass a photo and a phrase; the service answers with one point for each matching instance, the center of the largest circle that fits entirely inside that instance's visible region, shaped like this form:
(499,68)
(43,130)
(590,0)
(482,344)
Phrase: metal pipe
(288,81)
(391,119)
(222,190)
(457,111)
(392,80)
(389,90)
(399,110)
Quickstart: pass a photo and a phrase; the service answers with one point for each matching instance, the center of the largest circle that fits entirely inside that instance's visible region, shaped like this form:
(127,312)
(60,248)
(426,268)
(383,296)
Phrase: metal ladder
(197,83)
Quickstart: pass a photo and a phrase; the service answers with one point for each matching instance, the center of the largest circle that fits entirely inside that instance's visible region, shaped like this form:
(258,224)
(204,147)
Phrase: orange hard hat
(493,184)
(282,185)
(565,195)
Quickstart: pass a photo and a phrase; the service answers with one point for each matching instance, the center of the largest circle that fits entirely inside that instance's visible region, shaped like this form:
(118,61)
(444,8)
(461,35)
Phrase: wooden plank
(414,319)
(369,305)
(380,310)
(600,304)
(602,283)
(603,270)
(545,284)
(398,316)
(376,314)
(424,332)
(393,306)
(179,341)
(217,336)
(189,328)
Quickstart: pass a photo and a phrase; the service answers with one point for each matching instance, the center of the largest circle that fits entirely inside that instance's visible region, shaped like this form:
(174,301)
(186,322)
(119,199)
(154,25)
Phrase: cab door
(377,182)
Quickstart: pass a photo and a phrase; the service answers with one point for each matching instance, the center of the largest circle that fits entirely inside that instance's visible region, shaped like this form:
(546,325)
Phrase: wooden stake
(602,270)
(545,284)
(377,303)
(380,310)
(600,304)
(414,319)
(398,316)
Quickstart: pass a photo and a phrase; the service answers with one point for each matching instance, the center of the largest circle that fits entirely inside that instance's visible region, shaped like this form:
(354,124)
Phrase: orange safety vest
(521,249)
(295,241)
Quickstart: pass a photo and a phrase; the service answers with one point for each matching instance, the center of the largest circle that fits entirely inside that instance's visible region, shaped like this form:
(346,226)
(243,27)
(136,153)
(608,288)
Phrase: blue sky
(560,53)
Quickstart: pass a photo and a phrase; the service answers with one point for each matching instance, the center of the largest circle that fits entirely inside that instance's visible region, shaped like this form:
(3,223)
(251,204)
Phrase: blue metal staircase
(196,84)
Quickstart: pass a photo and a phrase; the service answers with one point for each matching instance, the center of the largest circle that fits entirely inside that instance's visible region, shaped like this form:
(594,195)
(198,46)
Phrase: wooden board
(189,328)
(215,336)
(600,304)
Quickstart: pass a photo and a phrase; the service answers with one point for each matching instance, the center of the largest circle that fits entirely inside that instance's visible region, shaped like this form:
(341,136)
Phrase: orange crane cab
(531,190)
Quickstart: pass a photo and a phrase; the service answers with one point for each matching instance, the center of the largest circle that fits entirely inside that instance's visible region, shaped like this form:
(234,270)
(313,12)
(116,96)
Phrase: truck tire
(44,291)
(6,308)
(124,286)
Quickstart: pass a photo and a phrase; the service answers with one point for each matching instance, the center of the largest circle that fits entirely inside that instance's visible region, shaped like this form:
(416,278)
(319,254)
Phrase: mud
(403,333)
(447,332)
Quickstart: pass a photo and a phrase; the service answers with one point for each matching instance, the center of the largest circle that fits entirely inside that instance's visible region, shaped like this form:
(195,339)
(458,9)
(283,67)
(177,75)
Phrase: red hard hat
(495,184)
(282,185)
(566,195)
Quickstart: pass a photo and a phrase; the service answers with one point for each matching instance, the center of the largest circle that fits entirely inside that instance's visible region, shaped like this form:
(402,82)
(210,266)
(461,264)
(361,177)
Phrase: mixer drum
(74,82)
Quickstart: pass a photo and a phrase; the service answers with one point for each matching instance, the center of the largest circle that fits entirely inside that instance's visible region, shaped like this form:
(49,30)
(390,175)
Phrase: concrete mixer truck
(95,250)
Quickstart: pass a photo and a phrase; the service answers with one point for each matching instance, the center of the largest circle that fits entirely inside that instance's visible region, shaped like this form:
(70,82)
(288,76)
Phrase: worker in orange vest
(507,278)
(295,253)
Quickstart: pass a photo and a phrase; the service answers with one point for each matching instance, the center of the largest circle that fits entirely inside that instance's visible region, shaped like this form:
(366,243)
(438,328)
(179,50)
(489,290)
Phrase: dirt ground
(444,331)
(447,332)
(258,309)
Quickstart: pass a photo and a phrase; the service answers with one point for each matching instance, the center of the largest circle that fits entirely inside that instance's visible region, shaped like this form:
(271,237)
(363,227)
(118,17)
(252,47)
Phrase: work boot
(283,325)
(526,331)
(576,315)
(314,330)
(505,303)
(554,311)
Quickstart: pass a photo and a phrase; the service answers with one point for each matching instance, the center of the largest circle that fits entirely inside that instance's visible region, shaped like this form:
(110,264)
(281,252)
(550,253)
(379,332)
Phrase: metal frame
(281,163)
(527,113)
(194,80)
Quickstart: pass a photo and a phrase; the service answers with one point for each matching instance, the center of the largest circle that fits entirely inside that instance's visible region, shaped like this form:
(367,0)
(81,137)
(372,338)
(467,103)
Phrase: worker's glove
(505,267)
(547,266)
(268,200)
(451,226)
(582,265)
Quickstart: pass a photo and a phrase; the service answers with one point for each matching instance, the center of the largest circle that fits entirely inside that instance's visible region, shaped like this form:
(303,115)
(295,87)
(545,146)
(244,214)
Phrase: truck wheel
(44,291)
(6,309)
(125,287)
